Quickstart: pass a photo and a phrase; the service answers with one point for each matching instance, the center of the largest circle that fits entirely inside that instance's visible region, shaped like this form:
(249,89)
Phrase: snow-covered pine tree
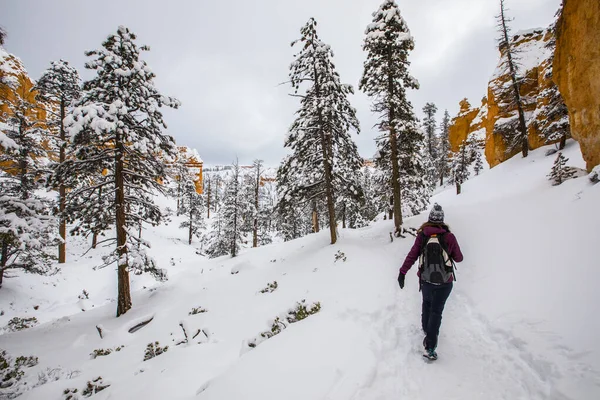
(324,157)
(193,209)
(475,149)
(385,78)
(26,228)
(233,207)
(560,171)
(59,85)
(444,148)
(117,131)
(461,160)
(515,133)
(429,125)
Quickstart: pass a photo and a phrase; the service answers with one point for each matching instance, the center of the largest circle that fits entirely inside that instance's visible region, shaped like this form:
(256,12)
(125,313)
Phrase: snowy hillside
(519,324)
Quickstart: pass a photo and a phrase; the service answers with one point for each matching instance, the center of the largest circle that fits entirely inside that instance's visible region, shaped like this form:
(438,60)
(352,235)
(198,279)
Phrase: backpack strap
(441,239)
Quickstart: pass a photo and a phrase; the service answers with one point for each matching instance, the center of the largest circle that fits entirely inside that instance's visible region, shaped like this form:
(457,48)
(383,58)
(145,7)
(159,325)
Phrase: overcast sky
(225,60)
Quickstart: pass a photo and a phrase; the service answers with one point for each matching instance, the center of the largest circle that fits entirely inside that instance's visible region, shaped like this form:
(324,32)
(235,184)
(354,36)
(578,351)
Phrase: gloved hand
(401,277)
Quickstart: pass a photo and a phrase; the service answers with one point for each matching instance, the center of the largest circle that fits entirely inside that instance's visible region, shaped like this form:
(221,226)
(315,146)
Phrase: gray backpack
(436,266)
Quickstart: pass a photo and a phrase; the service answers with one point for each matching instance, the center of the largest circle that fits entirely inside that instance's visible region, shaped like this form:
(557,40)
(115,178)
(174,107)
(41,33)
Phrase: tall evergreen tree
(444,148)
(385,78)
(26,228)
(193,209)
(60,84)
(429,125)
(517,134)
(324,157)
(117,130)
(234,206)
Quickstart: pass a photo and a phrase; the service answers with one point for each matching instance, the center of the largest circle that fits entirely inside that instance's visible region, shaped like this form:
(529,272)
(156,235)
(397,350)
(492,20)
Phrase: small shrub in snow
(104,352)
(340,256)
(271,287)
(154,350)
(71,394)
(95,386)
(197,310)
(298,313)
(301,311)
(560,172)
(84,295)
(18,324)
(11,374)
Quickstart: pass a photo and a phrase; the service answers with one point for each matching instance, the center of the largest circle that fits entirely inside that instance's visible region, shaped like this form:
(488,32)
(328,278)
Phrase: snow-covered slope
(520,323)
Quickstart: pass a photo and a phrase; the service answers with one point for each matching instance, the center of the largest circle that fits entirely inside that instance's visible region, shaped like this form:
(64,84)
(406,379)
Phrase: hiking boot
(430,354)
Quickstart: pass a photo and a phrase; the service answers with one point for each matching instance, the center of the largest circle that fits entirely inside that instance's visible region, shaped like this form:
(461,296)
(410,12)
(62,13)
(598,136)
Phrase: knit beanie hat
(437,214)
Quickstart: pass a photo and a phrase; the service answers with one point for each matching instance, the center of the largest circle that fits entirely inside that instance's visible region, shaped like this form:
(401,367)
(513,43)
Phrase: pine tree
(517,134)
(230,217)
(193,208)
(444,148)
(324,157)
(26,228)
(560,172)
(461,160)
(60,84)
(117,132)
(386,78)
(257,166)
(429,125)
(2,36)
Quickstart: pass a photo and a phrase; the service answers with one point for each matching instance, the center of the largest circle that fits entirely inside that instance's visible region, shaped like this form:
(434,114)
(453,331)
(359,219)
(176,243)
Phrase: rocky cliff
(495,119)
(577,72)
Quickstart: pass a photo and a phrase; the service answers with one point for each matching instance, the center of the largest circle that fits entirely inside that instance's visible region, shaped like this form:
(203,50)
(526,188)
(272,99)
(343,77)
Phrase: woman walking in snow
(437,249)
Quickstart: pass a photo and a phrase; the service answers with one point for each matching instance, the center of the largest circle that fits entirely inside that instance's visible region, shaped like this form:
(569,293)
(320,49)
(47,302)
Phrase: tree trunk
(391,208)
(315,217)
(458,188)
(235,205)
(62,192)
(255,227)
(3,260)
(563,142)
(344,217)
(191,220)
(515,86)
(394,152)
(208,199)
(124,295)
(327,157)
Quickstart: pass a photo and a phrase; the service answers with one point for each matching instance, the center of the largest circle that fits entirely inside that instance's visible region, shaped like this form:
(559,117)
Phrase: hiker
(438,249)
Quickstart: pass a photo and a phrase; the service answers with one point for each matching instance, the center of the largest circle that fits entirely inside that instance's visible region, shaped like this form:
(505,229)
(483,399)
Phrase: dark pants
(434,299)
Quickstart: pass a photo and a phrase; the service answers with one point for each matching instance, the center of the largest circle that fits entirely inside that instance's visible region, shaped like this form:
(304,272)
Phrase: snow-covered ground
(520,324)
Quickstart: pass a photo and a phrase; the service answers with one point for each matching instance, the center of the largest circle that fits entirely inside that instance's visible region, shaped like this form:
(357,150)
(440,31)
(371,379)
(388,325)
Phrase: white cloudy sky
(225,60)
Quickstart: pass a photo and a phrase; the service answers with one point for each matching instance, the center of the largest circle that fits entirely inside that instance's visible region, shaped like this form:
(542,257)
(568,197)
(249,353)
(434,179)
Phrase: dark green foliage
(18,324)
(560,171)
(301,311)
(104,352)
(298,313)
(154,350)
(93,387)
(340,256)
(197,310)
(271,287)
(11,373)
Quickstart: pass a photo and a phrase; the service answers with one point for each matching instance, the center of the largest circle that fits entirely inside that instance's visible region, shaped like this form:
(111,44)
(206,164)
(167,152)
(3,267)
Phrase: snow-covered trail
(477,359)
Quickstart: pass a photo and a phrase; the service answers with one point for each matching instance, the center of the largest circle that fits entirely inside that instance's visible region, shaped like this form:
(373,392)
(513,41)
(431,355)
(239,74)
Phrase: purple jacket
(451,243)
